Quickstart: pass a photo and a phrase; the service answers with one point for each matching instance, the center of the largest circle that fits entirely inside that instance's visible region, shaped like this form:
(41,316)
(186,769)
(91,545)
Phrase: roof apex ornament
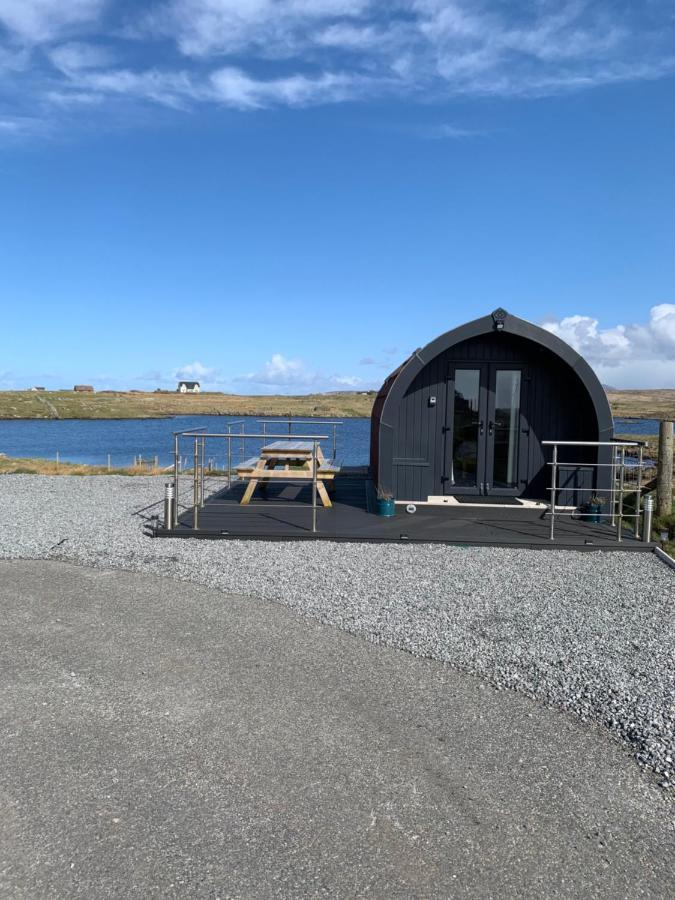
(498,317)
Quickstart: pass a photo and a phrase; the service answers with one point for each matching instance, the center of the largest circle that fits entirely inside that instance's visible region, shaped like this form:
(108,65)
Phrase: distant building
(84,389)
(38,389)
(188,387)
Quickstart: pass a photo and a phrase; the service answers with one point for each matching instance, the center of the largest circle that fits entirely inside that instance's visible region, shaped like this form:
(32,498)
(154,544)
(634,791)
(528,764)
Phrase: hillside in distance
(638,404)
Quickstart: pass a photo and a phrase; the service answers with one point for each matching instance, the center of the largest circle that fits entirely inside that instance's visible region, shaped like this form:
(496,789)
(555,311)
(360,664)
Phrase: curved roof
(396,385)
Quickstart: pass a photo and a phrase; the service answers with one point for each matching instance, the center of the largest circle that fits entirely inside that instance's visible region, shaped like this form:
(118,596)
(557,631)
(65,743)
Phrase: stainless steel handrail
(200,436)
(273,420)
(618,489)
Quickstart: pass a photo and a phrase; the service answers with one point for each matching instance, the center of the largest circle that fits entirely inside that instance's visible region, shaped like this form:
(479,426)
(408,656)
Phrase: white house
(188,387)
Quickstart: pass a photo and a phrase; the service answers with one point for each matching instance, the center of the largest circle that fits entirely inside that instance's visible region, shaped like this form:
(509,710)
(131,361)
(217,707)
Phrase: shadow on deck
(284,512)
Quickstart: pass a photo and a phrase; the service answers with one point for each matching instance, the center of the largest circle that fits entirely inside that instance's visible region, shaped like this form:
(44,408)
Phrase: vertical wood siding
(557,407)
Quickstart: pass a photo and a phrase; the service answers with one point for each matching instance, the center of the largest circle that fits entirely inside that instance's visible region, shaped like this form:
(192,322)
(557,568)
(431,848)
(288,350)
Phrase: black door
(486,430)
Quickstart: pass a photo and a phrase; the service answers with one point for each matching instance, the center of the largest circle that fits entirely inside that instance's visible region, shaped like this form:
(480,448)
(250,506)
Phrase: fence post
(664,474)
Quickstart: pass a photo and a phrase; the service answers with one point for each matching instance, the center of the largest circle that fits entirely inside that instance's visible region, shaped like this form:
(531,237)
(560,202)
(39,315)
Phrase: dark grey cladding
(560,399)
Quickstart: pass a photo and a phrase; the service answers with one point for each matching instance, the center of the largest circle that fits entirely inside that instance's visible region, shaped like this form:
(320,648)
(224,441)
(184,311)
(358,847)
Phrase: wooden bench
(247,466)
(263,469)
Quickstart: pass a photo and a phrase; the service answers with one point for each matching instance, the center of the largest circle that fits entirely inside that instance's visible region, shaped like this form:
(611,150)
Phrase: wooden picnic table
(290,461)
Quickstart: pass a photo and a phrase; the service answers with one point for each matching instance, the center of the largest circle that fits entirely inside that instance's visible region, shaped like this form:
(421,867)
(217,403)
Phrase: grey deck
(284,513)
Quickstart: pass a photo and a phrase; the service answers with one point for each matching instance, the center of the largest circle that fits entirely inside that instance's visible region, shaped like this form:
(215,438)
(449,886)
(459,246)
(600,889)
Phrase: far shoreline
(33,405)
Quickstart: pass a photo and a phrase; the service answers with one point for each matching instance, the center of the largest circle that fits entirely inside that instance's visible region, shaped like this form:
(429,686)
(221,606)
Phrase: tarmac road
(162,739)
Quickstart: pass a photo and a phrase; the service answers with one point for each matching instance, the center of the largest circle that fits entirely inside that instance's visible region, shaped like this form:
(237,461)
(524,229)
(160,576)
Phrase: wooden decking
(285,513)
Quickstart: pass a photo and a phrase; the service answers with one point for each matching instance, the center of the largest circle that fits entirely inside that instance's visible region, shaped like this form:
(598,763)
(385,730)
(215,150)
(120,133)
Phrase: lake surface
(91,440)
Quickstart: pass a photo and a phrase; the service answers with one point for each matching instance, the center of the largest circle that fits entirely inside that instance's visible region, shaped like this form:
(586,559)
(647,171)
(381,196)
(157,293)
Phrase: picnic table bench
(290,461)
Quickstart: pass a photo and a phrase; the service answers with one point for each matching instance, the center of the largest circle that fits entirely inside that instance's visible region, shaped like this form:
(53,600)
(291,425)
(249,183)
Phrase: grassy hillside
(122,405)
(643,404)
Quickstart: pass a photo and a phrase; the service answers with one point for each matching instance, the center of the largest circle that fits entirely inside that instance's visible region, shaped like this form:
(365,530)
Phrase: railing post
(622,475)
(612,501)
(195,487)
(334,442)
(201,480)
(554,478)
(314,475)
(176,472)
(229,457)
(638,491)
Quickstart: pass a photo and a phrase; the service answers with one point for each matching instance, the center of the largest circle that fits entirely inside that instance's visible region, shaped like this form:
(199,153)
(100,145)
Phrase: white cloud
(252,54)
(204,28)
(234,88)
(634,355)
(292,375)
(175,89)
(195,371)
(76,56)
(36,21)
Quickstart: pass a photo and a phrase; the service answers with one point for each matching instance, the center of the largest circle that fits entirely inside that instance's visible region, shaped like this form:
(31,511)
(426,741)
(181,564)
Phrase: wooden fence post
(664,475)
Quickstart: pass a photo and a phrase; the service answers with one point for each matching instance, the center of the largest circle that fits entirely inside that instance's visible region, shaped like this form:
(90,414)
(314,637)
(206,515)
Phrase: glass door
(486,434)
(505,432)
(465,430)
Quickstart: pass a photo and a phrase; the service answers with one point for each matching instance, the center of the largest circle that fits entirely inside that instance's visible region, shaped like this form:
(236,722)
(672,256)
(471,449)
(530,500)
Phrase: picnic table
(290,461)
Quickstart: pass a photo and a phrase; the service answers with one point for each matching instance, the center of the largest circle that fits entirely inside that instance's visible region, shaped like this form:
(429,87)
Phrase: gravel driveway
(593,633)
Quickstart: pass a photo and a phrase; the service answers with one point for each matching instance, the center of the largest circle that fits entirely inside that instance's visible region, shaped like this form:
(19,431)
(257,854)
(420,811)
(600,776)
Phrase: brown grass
(657,404)
(144,405)
(10,465)
(643,404)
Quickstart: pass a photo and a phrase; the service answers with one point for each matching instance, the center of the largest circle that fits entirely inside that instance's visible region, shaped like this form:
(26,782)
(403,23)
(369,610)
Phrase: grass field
(643,404)
(15,465)
(136,405)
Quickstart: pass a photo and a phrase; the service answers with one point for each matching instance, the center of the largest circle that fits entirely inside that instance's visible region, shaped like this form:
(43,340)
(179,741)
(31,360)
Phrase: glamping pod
(467,416)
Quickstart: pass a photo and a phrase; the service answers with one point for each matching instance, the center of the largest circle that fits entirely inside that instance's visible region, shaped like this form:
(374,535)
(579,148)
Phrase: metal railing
(314,423)
(199,438)
(627,464)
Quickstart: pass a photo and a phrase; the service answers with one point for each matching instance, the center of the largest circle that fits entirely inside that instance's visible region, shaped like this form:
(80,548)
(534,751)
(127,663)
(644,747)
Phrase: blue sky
(291,195)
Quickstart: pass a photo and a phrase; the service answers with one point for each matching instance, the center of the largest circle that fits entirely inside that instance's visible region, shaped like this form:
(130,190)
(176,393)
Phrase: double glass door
(486,430)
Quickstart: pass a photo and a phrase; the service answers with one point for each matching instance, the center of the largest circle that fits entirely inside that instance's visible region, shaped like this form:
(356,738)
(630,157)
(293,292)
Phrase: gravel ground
(593,633)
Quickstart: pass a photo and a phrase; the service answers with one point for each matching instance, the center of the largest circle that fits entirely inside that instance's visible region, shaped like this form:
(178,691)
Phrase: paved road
(161,739)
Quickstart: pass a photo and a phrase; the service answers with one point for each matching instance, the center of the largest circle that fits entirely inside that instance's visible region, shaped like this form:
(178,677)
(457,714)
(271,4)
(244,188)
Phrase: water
(91,440)
(636,426)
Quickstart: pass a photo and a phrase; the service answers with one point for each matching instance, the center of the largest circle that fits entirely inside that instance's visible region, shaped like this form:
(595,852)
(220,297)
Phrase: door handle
(481,428)
(491,428)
